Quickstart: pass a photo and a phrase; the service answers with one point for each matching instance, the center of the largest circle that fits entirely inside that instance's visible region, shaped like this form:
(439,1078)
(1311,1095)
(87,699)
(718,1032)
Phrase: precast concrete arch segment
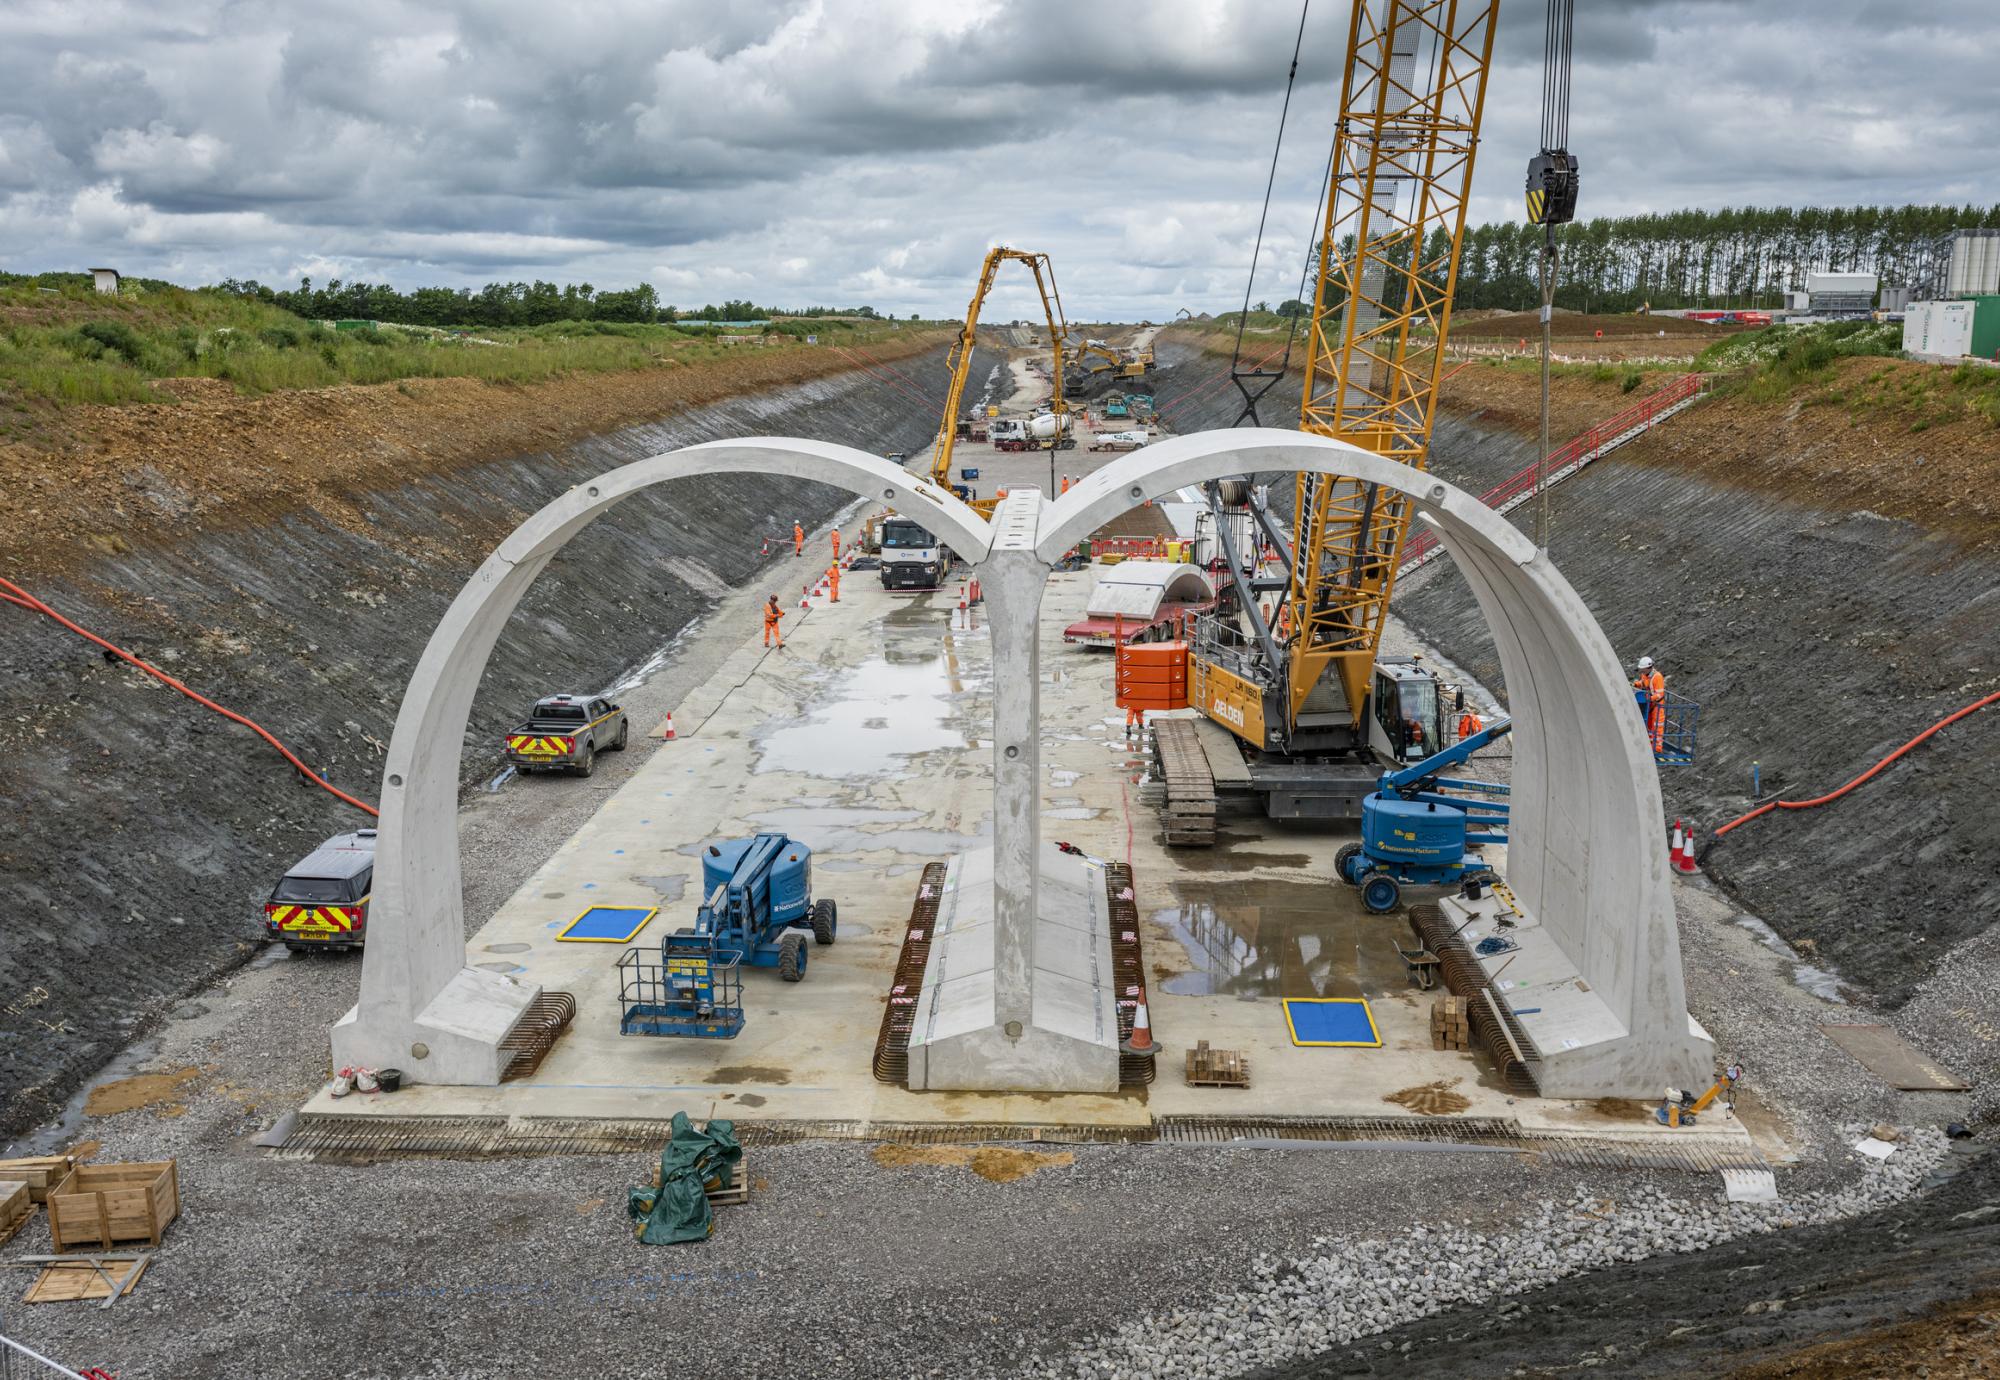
(1587,854)
(421,1008)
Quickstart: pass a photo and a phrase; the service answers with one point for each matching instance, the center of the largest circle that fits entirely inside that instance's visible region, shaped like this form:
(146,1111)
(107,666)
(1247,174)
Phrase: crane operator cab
(1407,724)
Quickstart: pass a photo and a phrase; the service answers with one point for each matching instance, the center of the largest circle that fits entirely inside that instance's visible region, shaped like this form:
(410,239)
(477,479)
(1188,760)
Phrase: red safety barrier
(1419,546)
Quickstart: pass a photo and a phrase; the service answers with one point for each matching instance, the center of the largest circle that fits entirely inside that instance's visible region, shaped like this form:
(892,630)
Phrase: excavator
(1287,669)
(1096,364)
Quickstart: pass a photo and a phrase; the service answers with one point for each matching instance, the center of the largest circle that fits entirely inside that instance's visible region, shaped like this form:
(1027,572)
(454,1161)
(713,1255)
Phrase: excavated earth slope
(289,556)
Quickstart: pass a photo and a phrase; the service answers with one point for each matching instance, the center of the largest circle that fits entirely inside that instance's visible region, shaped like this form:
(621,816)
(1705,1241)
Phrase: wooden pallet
(738,1191)
(85,1277)
(1217,1068)
(1451,1024)
(736,1194)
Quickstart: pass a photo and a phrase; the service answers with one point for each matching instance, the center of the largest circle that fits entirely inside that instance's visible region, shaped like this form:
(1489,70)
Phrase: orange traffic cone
(1674,847)
(1687,862)
(670,727)
(1142,1032)
(975,595)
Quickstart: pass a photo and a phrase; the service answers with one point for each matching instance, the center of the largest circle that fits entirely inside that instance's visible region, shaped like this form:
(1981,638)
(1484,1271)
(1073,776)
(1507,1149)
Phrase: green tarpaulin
(676,1208)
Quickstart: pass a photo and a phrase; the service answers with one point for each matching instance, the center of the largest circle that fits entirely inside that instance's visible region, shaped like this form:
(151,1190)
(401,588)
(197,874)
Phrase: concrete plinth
(455,1038)
(1576,1045)
(1069,1043)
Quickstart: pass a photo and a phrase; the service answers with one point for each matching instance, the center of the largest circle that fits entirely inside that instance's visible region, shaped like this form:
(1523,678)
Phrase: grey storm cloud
(870,150)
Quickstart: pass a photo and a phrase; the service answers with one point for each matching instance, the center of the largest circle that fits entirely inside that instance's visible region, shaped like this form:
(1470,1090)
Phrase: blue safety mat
(609,924)
(1326,1021)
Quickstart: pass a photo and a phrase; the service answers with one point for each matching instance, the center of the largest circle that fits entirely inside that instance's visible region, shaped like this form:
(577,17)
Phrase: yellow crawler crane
(960,362)
(1295,680)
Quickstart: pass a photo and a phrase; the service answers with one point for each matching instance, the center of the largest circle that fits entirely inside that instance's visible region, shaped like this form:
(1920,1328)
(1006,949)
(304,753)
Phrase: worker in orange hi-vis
(1650,690)
(836,544)
(833,579)
(1469,723)
(798,540)
(772,613)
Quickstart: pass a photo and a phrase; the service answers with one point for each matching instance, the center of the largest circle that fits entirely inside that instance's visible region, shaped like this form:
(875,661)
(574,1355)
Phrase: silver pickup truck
(566,732)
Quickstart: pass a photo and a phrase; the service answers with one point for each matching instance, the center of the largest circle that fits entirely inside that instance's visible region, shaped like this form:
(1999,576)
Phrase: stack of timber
(1451,1027)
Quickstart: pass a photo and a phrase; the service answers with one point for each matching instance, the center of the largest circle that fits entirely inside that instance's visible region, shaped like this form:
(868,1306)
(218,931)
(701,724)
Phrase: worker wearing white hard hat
(1650,691)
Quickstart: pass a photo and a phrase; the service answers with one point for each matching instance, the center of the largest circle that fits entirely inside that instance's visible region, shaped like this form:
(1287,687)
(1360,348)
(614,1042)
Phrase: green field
(63,343)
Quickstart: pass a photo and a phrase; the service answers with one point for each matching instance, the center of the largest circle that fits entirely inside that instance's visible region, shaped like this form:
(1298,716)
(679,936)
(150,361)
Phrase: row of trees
(1738,257)
(501,304)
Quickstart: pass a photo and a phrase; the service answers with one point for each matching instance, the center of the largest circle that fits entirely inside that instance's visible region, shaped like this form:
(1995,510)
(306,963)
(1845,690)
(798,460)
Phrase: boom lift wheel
(589,762)
(792,957)
(1380,892)
(825,916)
(1343,862)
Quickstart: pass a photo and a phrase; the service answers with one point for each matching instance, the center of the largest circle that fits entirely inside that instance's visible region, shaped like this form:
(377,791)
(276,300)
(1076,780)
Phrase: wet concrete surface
(1258,939)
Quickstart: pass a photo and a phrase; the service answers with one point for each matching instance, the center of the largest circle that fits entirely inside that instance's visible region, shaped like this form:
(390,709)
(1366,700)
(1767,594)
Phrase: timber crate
(15,1208)
(103,1204)
(41,1173)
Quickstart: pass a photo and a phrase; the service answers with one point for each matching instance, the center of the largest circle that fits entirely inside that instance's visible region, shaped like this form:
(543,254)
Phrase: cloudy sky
(871,150)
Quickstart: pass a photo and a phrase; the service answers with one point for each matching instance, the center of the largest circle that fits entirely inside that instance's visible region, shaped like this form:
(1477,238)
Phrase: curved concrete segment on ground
(422,1008)
(1598,950)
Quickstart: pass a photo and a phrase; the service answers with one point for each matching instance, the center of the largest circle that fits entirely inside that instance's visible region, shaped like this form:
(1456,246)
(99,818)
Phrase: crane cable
(14,594)
(1270,182)
(1865,776)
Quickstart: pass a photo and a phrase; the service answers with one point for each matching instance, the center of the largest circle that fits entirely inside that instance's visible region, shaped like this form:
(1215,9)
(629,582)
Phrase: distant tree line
(1742,256)
(502,304)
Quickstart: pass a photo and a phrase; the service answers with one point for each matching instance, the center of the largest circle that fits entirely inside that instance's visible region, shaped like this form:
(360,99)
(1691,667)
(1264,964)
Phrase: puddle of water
(501,967)
(887,713)
(1062,779)
(507,948)
(671,889)
(1257,939)
(1072,812)
(1234,853)
(1821,982)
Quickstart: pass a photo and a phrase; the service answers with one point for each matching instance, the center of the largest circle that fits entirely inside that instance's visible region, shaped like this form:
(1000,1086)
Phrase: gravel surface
(1345,1289)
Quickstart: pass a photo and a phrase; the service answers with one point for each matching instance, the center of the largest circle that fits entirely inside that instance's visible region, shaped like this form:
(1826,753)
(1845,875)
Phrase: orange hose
(14,594)
(1872,772)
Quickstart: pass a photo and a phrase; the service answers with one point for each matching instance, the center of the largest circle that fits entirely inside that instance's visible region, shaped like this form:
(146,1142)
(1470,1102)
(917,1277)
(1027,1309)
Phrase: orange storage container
(1151,675)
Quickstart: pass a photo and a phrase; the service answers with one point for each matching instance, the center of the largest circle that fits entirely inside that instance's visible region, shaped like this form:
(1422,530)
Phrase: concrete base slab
(868,737)
(1071,1045)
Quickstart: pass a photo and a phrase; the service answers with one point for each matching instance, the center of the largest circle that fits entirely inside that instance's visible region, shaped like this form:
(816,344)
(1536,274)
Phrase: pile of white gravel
(1342,1290)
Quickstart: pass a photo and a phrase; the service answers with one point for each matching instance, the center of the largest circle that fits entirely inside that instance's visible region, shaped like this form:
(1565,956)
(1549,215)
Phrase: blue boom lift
(757,911)
(1413,833)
